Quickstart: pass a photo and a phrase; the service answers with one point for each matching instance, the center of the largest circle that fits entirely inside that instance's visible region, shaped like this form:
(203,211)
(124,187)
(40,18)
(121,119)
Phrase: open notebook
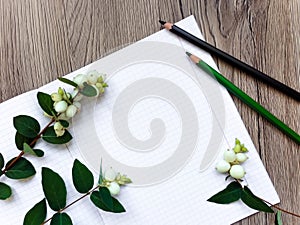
(162,121)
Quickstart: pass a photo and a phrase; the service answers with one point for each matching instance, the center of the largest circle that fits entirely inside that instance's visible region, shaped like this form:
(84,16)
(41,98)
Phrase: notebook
(162,121)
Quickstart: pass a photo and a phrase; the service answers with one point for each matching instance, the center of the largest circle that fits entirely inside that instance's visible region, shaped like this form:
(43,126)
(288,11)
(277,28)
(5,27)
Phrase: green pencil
(245,98)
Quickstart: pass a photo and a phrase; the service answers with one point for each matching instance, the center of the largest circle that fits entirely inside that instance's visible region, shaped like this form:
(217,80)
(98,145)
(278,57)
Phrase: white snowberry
(71,111)
(56,97)
(237,171)
(241,157)
(59,129)
(59,133)
(60,106)
(92,77)
(80,79)
(110,175)
(229,156)
(223,166)
(114,188)
(58,126)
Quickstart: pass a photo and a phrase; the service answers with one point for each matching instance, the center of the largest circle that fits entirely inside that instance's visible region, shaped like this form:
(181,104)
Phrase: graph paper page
(156,123)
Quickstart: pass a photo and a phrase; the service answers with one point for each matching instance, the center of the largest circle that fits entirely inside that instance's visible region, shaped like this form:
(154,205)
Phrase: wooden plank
(33,45)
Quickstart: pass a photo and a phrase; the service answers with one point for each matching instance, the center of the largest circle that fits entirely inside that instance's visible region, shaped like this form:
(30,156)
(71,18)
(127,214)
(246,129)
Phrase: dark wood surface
(43,39)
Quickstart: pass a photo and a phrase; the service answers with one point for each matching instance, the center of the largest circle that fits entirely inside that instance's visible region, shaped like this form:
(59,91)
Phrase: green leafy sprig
(56,194)
(29,132)
(235,191)
(60,107)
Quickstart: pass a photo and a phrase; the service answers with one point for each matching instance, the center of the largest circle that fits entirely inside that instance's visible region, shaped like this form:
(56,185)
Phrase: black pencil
(230,59)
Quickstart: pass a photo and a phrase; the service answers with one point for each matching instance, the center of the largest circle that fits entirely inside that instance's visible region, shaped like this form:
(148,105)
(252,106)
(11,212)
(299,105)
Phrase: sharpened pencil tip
(188,54)
(194,58)
(162,22)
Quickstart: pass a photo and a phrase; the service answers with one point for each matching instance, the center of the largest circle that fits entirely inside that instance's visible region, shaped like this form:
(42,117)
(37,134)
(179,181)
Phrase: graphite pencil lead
(188,54)
(194,58)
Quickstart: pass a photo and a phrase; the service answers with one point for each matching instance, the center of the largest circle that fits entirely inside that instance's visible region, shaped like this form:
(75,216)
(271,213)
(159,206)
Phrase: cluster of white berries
(232,158)
(93,78)
(68,104)
(113,181)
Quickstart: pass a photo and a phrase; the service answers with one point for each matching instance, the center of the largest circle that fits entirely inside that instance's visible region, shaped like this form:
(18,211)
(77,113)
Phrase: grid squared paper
(181,199)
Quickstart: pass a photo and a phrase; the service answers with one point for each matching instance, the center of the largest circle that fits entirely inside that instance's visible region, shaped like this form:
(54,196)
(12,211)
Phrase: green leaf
(254,202)
(278,220)
(21,139)
(83,179)
(117,206)
(67,81)
(103,200)
(5,191)
(1,161)
(50,136)
(28,149)
(54,189)
(230,194)
(37,214)
(38,152)
(20,170)
(64,123)
(61,219)
(100,180)
(46,103)
(27,126)
(35,152)
(88,90)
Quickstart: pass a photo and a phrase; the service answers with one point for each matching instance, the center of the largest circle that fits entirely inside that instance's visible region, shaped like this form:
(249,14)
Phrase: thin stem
(72,203)
(13,162)
(283,210)
(7,167)
(274,206)
(67,99)
(41,132)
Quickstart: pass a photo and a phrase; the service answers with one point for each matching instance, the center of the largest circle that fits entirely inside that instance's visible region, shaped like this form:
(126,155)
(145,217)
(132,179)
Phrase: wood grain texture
(41,40)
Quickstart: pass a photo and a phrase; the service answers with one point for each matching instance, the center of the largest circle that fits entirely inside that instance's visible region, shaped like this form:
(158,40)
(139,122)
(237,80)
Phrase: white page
(178,194)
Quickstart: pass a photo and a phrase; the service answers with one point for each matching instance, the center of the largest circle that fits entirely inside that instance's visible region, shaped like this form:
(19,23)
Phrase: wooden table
(43,39)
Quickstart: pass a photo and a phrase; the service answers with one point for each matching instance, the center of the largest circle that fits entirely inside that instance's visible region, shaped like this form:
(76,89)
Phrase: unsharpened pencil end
(188,54)
(162,22)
